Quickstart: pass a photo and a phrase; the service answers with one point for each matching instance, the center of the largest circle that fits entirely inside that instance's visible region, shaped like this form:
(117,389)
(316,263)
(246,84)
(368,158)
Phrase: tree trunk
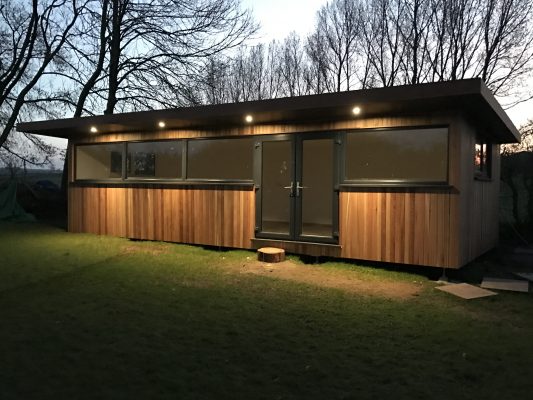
(114,56)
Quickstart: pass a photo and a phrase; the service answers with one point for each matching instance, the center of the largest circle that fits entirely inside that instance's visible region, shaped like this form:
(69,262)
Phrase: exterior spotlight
(161,124)
(248,118)
(93,129)
(356,110)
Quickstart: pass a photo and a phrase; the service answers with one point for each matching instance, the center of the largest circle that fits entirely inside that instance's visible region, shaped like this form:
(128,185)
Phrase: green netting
(10,209)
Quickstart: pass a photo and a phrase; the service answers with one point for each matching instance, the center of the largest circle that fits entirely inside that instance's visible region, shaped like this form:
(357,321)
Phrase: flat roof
(470,96)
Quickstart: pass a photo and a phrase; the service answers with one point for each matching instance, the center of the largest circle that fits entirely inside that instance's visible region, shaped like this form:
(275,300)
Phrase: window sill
(396,187)
(396,184)
(162,183)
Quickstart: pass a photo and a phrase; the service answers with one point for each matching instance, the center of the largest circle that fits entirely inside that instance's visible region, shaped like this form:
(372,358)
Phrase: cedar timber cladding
(218,217)
(446,224)
(407,228)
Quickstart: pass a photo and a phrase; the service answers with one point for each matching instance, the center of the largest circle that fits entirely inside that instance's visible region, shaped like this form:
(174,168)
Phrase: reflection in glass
(410,155)
(277,176)
(99,161)
(480,157)
(220,159)
(155,159)
(317,194)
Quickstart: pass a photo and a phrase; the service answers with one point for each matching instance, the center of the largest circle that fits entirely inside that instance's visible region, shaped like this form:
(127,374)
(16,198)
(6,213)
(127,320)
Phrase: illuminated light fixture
(161,124)
(93,129)
(356,110)
(248,118)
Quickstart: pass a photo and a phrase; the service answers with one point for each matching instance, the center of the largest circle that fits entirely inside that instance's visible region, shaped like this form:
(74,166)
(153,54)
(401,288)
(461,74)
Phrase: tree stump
(270,254)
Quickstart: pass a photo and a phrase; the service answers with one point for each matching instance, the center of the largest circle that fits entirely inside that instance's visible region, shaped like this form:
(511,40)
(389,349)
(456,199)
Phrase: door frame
(295,227)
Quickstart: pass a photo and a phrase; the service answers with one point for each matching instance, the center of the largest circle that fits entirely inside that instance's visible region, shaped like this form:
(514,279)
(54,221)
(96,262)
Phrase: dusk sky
(280,17)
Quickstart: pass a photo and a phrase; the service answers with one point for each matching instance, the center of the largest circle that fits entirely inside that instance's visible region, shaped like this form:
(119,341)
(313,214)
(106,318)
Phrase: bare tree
(147,54)
(273,76)
(382,39)
(246,74)
(317,75)
(38,33)
(455,32)
(332,47)
(507,45)
(291,66)
(416,38)
(214,81)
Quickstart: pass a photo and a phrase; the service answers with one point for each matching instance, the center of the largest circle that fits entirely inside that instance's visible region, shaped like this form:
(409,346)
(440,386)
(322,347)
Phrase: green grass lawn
(89,317)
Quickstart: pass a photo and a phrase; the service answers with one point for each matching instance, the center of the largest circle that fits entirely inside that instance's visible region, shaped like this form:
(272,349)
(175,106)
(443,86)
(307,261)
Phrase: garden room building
(406,174)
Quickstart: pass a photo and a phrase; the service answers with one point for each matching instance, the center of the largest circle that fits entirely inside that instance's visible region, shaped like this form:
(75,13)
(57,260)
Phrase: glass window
(413,155)
(482,160)
(220,159)
(99,161)
(156,160)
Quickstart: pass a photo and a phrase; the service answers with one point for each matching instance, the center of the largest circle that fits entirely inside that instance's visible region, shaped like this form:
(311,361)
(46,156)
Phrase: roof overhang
(470,96)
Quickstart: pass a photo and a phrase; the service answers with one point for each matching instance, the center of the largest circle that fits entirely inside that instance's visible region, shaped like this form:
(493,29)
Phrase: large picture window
(220,159)
(99,161)
(155,160)
(397,156)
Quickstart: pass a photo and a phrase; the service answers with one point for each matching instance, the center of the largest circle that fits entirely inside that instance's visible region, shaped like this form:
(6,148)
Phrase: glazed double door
(295,182)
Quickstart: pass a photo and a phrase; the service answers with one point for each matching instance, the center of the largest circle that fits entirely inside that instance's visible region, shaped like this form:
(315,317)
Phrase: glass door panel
(276,189)
(316,187)
(295,178)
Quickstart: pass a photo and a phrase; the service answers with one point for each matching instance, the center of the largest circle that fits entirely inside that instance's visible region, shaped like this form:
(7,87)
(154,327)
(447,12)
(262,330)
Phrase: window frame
(75,156)
(218,181)
(135,179)
(124,180)
(405,183)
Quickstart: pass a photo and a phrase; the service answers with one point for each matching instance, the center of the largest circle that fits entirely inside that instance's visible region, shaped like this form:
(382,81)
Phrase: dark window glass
(156,160)
(220,159)
(413,155)
(99,161)
(482,159)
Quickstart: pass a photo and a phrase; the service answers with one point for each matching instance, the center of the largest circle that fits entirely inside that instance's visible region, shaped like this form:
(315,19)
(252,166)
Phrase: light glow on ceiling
(161,124)
(93,129)
(248,118)
(356,110)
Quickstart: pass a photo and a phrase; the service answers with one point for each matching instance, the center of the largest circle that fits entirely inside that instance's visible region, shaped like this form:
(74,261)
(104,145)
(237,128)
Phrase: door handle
(298,187)
(291,187)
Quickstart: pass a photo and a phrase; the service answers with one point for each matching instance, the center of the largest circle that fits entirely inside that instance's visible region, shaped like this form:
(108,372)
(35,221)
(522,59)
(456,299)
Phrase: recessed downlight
(248,118)
(93,129)
(161,124)
(356,110)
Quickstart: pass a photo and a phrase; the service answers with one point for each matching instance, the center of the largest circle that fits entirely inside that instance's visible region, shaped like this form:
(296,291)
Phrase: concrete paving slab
(466,291)
(525,275)
(513,285)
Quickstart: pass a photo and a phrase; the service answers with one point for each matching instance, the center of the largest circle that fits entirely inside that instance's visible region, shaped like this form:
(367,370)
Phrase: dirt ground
(333,278)
(316,275)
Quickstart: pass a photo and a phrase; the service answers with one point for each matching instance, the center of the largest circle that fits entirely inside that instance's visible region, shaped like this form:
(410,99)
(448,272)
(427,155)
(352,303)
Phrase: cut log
(271,254)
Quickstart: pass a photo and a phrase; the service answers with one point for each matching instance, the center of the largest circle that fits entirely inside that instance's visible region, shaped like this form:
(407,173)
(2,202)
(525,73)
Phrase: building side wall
(479,207)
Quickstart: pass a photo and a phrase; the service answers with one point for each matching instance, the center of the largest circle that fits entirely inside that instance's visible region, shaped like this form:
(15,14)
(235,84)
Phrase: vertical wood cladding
(479,208)
(408,228)
(217,216)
